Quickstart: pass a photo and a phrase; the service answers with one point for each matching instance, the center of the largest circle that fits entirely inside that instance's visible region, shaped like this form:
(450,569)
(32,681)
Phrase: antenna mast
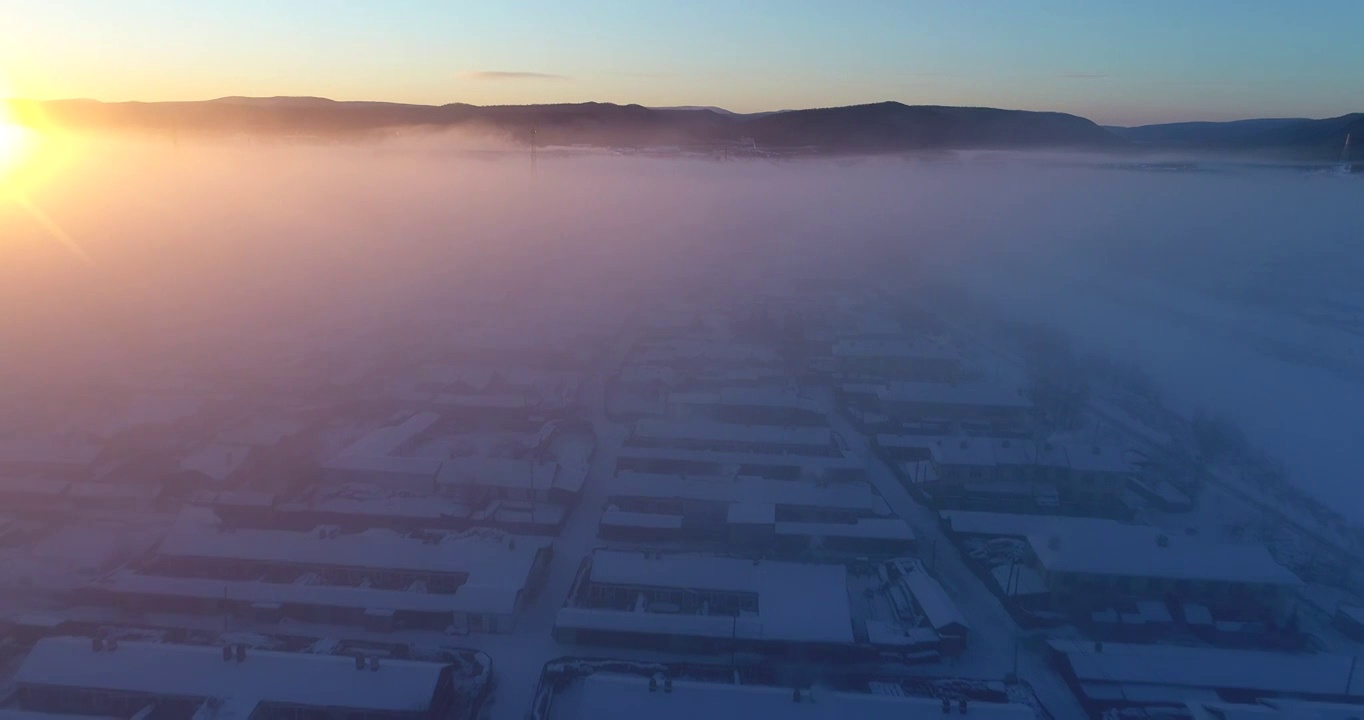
(533,152)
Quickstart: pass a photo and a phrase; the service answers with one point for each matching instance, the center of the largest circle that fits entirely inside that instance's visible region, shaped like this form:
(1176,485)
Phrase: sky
(1115,62)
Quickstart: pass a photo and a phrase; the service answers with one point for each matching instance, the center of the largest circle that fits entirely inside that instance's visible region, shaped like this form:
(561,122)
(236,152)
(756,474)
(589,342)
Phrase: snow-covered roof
(765,397)
(234,498)
(890,528)
(607,696)
(963,451)
(420,468)
(892,347)
(751,513)
(498,472)
(385,440)
(933,600)
(301,679)
(814,463)
(988,523)
(1138,551)
(486,557)
(796,602)
(972,394)
(431,507)
(842,495)
(658,521)
(1260,671)
(217,461)
(473,597)
(701,431)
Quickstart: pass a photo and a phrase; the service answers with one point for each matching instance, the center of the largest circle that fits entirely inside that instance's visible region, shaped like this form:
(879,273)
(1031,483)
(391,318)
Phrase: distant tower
(533,150)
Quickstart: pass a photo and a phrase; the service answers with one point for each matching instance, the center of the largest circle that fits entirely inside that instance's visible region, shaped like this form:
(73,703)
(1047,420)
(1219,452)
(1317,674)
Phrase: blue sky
(1116,62)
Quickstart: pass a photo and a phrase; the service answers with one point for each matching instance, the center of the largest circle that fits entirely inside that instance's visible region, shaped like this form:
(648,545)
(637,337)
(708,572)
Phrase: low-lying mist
(1234,286)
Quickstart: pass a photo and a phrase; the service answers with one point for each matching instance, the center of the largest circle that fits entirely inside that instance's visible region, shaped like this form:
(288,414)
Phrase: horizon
(699,107)
(1115,64)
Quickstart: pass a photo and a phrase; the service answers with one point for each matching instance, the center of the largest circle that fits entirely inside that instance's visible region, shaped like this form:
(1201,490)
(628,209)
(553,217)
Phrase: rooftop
(659,429)
(386,440)
(797,602)
(499,598)
(988,523)
(973,394)
(607,696)
(1317,674)
(302,679)
(499,472)
(746,489)
(1139,551)
(487,557)
(892,347)
(812,463)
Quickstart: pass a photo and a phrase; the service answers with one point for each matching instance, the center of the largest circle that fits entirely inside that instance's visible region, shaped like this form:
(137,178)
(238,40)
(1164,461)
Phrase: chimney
(359,662)
(241,653)
(374,663)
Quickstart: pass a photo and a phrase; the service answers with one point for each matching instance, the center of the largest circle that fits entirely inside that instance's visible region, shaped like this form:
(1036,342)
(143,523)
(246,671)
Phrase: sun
(16,142)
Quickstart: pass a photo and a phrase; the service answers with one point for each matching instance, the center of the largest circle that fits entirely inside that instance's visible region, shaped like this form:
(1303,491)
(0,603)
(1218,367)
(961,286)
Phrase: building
(1108,675)
(748,406)
(729,463)
(477,580)
(1020,475)
(81,676)
(971,403)
(695,602)
(1088,567)
(753,512)
(895,358)
(375,458)
(909,579)
(722,437)
(614,696)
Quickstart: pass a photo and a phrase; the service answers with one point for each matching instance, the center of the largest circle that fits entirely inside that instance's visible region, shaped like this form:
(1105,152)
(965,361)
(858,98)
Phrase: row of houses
(96,678)
(472,581)
(759,514)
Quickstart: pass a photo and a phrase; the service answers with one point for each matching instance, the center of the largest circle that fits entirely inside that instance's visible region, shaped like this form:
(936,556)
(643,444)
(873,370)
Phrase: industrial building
(753,512)
(693,603)
(81,676)
(477,580)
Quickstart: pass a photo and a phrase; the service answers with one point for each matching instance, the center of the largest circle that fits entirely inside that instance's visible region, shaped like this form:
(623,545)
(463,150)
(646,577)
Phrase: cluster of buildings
(713,508)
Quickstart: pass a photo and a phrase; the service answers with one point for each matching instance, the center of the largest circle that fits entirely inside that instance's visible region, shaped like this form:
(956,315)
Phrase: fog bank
(1234,287)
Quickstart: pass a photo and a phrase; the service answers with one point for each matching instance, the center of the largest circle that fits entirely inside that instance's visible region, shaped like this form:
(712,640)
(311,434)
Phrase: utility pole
(533,150)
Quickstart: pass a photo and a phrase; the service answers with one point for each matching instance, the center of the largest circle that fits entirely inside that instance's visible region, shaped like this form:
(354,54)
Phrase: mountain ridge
(869,128)
(877,127)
